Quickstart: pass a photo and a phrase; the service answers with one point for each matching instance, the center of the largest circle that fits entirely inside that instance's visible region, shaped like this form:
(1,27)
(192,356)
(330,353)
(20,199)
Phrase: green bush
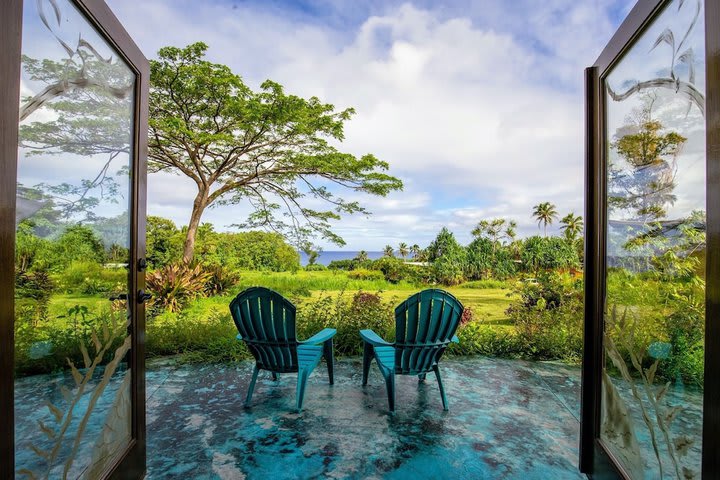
(363,274)
(347,265)
(364,310)
(477,338)
(174,285)
(315,267)
(548,317)
(548,253)
(209,339)
(90,278)
(220,280)
(76,243)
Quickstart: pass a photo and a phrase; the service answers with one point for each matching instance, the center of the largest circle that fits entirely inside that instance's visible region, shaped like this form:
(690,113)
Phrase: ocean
(326,257)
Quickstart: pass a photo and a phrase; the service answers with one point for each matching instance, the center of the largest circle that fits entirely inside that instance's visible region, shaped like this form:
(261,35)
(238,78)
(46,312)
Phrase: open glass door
(79,208)
(649,309)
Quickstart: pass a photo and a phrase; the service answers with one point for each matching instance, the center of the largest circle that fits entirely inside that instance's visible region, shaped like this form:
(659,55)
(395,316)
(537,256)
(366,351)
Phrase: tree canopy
(270,149)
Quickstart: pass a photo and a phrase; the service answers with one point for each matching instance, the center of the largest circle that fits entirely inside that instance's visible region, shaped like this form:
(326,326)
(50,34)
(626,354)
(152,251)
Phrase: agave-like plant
(175,284)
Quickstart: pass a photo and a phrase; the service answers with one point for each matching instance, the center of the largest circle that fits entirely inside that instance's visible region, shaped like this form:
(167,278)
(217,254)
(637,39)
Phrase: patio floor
(507,419)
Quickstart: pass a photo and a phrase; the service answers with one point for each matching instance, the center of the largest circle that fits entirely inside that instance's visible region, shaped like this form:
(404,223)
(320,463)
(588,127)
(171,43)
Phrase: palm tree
(572,226)
(415,250)
(388,251)
(361,256)
(403,250)
(511,231)
(545,213)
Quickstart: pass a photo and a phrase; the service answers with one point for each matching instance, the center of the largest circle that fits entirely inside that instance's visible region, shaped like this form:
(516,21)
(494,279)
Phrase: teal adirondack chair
(425,324)
(266,322)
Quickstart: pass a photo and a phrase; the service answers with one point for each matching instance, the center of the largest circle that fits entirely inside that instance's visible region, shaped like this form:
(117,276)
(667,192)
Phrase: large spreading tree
(268,149)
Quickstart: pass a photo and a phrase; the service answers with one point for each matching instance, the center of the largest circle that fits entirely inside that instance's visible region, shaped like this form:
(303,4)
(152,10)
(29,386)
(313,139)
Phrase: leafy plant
(364,310)
(220,280)
(174,285)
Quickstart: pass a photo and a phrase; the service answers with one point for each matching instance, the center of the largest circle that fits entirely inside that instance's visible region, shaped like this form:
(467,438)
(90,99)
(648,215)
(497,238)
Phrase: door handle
(143,296)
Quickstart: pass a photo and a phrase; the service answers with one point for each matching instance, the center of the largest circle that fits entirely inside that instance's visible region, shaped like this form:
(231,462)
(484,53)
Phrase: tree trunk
(199,205)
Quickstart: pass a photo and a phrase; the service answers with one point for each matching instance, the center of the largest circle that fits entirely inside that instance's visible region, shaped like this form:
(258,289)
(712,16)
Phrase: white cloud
(477,120)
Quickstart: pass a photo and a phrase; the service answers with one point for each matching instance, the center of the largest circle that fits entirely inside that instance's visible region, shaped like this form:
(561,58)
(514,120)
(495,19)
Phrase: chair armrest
(238,337)
(455,339)
(373,338)
(322,336)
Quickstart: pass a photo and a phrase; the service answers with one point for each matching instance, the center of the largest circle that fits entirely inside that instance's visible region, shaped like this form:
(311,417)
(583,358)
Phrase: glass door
(654,339)
(648,313)
(78,315)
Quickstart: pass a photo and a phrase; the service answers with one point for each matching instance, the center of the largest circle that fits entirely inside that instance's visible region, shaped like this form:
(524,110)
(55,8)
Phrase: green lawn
(487,304)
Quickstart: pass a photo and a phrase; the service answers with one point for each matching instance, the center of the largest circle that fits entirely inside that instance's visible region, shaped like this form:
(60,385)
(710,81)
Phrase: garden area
(522,297)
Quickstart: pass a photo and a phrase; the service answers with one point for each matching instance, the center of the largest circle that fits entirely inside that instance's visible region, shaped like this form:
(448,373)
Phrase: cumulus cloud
(479,111)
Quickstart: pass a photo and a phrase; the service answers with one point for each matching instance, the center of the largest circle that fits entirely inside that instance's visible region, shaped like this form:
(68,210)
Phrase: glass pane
(72,400)
(655,312)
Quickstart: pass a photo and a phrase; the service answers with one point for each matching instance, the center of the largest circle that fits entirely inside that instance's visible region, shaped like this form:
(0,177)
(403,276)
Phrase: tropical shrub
(29,248)
(35,288)
(479,259)
(548,253)
(315,267)
(364,310)
(478,338)
(208,339)
(220,280)
(364,274)
(174,285)
(76,243)
(548,317)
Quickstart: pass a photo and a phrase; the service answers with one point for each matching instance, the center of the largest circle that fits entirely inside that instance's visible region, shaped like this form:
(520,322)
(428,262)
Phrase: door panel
(652,382)
(651,265)
(74,243)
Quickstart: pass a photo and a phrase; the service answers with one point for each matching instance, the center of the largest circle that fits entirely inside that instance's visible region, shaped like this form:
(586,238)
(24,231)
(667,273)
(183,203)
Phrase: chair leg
(390,384)
(329,359)
(251,387)
(367,358)
(301,381)
(421,377)
(442,389)
(275,376)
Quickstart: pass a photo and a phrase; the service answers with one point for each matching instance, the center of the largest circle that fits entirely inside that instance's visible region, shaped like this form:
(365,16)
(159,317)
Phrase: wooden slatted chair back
(266,321)
(424,326)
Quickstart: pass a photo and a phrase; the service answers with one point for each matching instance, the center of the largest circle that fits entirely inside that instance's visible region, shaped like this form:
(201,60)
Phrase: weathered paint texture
(508,419)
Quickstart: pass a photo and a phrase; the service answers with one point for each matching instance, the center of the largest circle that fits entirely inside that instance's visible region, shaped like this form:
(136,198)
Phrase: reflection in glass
(654,325)
(72,403)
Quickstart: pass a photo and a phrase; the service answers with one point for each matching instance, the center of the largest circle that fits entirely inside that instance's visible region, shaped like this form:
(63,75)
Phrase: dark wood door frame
(132,463)
(595,459)
(10,39)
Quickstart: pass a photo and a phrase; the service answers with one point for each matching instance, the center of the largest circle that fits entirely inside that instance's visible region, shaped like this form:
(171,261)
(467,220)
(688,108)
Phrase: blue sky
(477,106)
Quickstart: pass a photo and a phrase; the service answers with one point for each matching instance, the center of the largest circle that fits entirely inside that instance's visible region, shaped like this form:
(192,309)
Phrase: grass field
(488,300)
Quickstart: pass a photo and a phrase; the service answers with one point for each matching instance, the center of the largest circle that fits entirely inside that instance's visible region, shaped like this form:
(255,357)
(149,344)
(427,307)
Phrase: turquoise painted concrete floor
(507,419)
